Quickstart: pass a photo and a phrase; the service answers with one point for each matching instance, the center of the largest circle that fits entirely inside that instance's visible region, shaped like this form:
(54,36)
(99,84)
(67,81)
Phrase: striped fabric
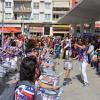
(24,93)
(49,97)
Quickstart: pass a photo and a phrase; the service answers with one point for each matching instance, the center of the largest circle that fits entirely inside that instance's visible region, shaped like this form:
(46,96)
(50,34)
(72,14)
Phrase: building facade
(73,3)
(60,8)
(33,14)
(8,9)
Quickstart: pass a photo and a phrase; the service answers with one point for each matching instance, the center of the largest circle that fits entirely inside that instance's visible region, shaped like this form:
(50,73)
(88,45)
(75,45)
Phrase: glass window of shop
(46,30)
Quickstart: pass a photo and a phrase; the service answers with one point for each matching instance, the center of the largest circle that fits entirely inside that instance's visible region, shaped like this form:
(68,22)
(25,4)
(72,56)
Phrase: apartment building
(60,8)
(73,3)
(6,10)
(42,13)
(33,14)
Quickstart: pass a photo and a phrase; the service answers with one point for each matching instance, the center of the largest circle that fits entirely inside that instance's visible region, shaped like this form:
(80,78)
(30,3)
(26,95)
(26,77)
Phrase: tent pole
(2,22)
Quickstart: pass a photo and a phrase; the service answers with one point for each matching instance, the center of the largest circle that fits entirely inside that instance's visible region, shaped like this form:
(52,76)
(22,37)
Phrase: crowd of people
(35,59)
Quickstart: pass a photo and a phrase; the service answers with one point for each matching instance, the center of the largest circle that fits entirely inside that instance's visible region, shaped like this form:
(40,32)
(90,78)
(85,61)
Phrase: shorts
(68,65)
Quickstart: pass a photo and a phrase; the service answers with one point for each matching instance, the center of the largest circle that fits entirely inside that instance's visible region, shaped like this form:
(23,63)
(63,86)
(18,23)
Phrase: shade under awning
(84,12)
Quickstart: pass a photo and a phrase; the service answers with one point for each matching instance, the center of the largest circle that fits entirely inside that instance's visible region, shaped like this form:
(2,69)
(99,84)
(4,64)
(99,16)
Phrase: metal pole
(22,18)
(2,22)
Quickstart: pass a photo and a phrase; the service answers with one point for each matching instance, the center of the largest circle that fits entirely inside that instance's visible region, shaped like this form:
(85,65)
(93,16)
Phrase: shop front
(38,31)
(60,30)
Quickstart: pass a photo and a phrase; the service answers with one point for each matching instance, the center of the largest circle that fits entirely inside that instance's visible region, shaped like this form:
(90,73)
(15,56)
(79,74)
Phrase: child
(57,50)
(67,67)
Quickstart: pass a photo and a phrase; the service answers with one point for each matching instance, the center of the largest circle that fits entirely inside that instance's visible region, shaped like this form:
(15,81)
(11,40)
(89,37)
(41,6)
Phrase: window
(41,1)
(36,5)
(42,16)
(7,15)
(47,5)
(47,16)
(36,16)
(8,5)
(60,9)
(55,16)
(26,16)
(46,30)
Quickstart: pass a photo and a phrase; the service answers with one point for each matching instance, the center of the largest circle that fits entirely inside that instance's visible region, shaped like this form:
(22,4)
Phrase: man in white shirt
(90,52)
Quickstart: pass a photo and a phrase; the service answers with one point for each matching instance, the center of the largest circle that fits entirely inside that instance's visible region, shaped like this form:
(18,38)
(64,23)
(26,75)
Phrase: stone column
(73,29)
(81,29)
(51,31)
(92,27)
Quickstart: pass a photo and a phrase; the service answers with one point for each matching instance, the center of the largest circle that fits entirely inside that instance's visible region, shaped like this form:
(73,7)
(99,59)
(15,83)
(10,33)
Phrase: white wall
(61,3)
(9,10)
(49,11)
(0,10)
(51,31)
(42,10)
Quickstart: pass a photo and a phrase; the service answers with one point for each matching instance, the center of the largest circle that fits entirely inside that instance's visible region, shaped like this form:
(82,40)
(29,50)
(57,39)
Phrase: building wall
(73,3)
(22,10)
(0,10)
(8,10)
(61,3)
(60,8)
(42,14)
(42,10)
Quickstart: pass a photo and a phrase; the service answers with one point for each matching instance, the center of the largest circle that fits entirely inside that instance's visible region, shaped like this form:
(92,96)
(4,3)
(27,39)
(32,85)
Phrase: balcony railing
(22,10)
(23,0)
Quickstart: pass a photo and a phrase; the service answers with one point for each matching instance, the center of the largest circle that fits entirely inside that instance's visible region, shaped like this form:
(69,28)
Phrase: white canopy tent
(85,11)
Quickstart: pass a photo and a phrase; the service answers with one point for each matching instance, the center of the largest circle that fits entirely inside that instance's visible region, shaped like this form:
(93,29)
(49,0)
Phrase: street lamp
(2,21)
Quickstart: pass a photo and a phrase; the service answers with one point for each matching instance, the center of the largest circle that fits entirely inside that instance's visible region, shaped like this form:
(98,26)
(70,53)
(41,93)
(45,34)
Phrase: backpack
(9,91)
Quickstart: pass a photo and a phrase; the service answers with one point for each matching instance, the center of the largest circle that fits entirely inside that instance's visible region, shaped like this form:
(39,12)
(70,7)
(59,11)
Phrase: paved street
(76,91)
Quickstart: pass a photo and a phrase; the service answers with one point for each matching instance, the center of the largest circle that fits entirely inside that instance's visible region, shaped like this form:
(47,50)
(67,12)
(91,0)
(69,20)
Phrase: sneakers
(85,84)
(67,81)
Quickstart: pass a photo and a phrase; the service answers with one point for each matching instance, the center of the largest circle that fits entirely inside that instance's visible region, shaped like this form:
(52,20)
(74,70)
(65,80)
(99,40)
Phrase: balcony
(22,0)
(22,10)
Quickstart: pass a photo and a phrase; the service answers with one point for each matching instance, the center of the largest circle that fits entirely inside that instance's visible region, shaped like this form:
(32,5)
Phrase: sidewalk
(76,91)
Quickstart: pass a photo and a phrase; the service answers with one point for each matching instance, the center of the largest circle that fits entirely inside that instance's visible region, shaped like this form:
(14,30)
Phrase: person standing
(67,67)
(83,59)
(90,53)
(57,49)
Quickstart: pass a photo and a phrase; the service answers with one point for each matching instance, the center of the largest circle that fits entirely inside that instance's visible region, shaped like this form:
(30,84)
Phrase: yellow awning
(62,26)
(60,32)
